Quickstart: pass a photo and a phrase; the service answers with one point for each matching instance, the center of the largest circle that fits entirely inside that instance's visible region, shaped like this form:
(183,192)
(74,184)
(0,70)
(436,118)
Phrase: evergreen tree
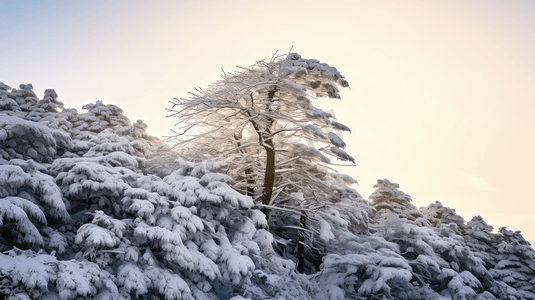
(516,264)
(387,198)
(262,122)
(261,119)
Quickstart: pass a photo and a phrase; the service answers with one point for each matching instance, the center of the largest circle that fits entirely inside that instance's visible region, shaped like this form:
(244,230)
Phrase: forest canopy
(92,206)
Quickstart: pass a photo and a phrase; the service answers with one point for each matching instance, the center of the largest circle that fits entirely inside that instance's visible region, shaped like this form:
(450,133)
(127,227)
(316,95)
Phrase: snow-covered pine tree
(262,121)
(388,199)
(516,264)
(444,218)
(29,196)
(365,267)
(438,256)
(34,214)
(482,241)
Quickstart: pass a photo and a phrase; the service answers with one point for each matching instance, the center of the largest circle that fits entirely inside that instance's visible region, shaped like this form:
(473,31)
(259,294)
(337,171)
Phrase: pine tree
(387,198)
(260,120)
(516,265)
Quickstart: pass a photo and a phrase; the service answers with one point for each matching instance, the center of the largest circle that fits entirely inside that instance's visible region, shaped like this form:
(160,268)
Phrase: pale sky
(442,97)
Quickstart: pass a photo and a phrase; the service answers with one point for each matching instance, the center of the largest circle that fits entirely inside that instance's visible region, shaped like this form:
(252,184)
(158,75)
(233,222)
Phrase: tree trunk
(248,171)
(269,177)
(301,243)
(250,182)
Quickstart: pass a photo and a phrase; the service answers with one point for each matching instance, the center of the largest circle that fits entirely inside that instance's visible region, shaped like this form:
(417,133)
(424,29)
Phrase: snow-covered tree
(263,123)
(516,264)
(30,140)
(482,241)
(28,197)
(262,120)
(388,199)
(438,215)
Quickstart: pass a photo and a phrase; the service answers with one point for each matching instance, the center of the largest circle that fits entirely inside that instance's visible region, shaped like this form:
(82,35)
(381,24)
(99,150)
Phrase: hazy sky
(442,97)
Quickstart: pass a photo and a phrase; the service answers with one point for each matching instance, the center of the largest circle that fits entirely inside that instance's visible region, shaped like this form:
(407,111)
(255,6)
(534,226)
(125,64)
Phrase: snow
(316,131)
(336,140)
(314,112)
(16,132)
(14,178)
(340,126)
(103,220)
(30,271)
(11,211)
(96,236)
(132,278)
(58,242)
(235,266)
(463,285)
(142,208)
(203,264)
(325,231)
(380,277)
(171,285)
(342,155)
(258,218)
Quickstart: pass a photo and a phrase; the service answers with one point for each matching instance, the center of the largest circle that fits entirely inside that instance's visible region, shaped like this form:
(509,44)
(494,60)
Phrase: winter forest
(243,202)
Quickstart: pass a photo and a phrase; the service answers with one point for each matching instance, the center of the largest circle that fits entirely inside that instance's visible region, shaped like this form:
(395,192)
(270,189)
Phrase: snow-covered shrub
(25,98)
(367,267)
(482,241)
(29,140)
(28,197)
(101,116)
(32,275)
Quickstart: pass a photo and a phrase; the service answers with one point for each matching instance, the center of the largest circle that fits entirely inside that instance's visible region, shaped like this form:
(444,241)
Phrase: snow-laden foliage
(263,122)
(29,140)
(516,264)
(278,147)
(30,275)
(387,198)
(92,207)
(28,196)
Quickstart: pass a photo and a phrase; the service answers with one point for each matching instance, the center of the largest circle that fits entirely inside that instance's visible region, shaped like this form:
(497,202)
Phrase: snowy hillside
(91,206)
